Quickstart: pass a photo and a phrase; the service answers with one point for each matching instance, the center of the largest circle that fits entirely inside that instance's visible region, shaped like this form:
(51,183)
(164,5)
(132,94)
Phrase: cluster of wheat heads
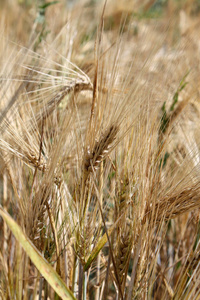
(99,172)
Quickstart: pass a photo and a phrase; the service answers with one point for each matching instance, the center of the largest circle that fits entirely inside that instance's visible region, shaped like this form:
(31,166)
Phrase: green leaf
(44,6)
(164,119)
(166,114)
(182,85)
(99,246)
(42,265)
(175,100)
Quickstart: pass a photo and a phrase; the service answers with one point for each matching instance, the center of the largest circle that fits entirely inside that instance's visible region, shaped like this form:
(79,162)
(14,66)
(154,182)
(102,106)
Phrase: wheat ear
(53,103)
(169,207)
(101,149)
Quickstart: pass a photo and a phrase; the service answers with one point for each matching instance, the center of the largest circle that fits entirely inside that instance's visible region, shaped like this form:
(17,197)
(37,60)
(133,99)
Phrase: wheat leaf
(42,265)
(103,240)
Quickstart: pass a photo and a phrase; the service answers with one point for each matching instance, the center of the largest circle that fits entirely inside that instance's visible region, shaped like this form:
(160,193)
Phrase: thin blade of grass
(99,246)
(42,265)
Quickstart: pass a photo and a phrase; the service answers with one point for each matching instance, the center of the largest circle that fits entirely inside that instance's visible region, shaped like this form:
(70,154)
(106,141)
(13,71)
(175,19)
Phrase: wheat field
(100,149)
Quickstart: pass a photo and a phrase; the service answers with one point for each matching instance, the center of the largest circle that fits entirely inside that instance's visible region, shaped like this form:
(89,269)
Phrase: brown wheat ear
(101,149)
(170,207)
